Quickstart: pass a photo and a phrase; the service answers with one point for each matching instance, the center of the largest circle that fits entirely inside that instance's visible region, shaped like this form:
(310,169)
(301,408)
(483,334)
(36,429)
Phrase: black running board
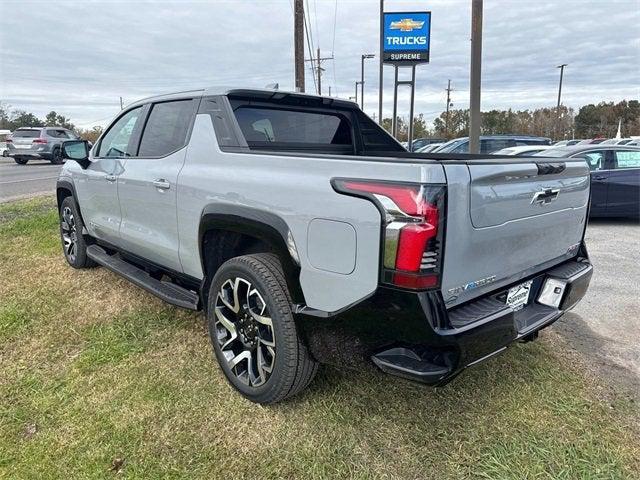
(167,291)
(406,363)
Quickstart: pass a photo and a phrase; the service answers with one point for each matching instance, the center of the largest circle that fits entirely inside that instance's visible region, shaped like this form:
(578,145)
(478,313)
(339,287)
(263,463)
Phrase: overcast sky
(79,57)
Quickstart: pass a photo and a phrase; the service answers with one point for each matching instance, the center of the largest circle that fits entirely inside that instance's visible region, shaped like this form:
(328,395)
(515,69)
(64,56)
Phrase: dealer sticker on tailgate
(518,296)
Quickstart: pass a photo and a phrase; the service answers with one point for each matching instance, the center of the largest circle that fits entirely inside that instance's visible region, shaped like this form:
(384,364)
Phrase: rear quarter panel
(298,190)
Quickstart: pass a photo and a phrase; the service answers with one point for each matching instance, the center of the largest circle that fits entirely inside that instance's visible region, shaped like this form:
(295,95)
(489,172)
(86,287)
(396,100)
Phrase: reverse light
(412,230)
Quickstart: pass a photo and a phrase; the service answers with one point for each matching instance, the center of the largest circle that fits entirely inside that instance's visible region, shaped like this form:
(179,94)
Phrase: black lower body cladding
(414,336)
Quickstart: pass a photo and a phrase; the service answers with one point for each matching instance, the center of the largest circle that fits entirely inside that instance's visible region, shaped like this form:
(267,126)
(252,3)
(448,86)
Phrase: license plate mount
(518,296)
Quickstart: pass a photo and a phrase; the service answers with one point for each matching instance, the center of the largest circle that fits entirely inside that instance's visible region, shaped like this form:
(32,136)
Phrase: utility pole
(298,42)
(363,58)
(121,105)
(446,118)
(561,67)
(476,76)
(319,69)
(356,97)
(380,65)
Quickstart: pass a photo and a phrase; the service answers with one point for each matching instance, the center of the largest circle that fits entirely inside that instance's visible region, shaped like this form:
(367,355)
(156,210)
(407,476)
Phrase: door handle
(161,183)
(111,178)
(600,177)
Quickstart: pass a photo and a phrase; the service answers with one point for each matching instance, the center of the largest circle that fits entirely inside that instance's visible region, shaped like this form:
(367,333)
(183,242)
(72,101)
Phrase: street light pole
(561,67)
(362,59)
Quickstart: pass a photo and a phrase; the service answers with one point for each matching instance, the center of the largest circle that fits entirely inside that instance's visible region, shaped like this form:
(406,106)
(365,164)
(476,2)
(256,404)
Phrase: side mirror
(76,150)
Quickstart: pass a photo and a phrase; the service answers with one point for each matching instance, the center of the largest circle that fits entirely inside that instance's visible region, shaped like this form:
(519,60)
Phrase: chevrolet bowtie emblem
(406,25)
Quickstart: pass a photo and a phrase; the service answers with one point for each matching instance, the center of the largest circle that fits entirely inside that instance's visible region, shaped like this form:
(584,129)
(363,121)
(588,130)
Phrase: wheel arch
(64,189)
(229,231)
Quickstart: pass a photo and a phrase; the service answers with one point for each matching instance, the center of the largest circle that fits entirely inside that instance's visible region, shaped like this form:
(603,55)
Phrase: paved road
(19,181)
(605,326)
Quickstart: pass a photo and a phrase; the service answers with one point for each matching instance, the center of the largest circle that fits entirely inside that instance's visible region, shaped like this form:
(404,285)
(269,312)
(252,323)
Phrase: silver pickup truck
(308,235)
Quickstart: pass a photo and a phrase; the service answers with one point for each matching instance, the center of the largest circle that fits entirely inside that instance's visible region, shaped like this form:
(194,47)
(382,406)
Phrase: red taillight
(412,230)
(8,140)
(39,140)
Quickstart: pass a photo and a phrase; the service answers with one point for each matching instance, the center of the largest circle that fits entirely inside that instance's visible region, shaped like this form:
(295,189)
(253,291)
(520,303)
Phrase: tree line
(590,121)
(14,119)
(600,120)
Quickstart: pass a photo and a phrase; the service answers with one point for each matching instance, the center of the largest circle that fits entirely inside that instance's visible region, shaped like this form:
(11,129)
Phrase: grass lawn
(99,379)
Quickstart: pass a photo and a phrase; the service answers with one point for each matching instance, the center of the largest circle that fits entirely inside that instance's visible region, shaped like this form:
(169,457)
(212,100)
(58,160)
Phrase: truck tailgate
(509,220)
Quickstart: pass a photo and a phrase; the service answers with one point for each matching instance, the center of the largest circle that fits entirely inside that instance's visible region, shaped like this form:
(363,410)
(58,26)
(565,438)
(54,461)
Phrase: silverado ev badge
(472,285)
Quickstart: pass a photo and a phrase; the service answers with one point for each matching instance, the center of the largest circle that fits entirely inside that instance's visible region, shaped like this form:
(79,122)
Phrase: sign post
(406,41)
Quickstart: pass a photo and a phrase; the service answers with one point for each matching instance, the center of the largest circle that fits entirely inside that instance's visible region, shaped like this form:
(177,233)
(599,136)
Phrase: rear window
(262,126)
(26,134)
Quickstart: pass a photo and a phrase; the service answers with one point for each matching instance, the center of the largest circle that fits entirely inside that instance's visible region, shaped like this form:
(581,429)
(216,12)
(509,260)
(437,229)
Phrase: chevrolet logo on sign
(406,25)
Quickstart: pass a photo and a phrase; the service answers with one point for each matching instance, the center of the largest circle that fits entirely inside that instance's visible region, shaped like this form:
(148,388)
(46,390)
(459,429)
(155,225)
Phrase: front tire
(74,245)
(253,332)
(20,160)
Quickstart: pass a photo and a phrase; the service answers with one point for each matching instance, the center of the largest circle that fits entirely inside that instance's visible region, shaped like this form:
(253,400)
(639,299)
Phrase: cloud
(78,58)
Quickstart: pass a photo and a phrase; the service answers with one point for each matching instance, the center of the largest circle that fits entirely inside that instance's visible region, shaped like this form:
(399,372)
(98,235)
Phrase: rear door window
(166,129)
(627,159)
(275,127)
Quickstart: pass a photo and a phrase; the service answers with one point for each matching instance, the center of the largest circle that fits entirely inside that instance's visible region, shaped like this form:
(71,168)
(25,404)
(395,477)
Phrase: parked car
(419,143)
(491,143)
(429,148)
(293,219)
(4,134)
(615,177)
(591,141)
(566,143)
(617,141)
(524,151)
(33,143)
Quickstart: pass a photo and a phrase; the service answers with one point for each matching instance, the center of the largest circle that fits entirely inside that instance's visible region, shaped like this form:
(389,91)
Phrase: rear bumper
(412,335)
(30,153)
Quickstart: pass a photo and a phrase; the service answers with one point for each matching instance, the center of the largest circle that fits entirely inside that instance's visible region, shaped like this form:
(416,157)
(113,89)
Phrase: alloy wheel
(69,234)
(244,331)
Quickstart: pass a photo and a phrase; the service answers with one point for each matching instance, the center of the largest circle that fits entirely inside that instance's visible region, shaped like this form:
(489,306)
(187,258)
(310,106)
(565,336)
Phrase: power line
(310,46)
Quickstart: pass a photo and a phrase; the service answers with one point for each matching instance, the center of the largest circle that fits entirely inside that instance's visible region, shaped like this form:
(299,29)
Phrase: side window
(461,148)
(115,142)
(166,129)
(627,159)
(57,133)
(374,137)
(492,145)
(595,160)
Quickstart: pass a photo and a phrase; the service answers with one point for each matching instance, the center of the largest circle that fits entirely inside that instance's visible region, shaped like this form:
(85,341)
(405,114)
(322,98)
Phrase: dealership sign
(406,37)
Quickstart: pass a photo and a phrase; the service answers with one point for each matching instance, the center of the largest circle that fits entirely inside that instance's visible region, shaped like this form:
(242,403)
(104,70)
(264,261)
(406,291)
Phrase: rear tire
(20,160)
(74,245)
(56,156)
(253,332)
